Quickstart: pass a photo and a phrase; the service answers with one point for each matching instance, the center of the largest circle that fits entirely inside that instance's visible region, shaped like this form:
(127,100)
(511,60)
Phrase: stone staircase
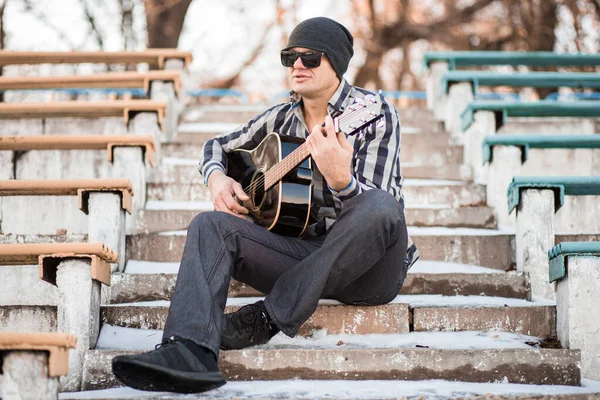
(462,314)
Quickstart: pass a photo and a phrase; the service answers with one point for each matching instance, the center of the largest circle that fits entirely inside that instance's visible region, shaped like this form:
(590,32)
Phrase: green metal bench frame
(528,79)
(526,142)
(558,256)
(488,58)
(542,108)
(560,185)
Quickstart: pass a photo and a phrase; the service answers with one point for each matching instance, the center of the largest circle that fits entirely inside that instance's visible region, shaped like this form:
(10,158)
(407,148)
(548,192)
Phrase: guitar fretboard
(281,169)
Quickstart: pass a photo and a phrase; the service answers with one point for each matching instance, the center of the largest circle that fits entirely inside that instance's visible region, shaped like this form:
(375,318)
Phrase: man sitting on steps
(354,250)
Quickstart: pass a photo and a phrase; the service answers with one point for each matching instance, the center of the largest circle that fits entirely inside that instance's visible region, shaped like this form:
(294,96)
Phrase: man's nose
(298,63)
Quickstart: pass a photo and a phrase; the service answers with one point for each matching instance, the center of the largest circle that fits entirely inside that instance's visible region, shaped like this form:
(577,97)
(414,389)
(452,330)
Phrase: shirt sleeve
(214,151)
(377,158)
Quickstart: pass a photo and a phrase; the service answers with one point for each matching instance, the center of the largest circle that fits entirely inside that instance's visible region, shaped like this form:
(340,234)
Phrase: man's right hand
(223,189)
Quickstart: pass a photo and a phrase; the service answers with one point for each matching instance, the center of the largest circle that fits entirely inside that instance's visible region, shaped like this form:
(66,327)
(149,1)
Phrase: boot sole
(142,376)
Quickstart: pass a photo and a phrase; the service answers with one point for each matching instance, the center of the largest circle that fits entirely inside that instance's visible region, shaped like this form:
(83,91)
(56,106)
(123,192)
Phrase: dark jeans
(360,260)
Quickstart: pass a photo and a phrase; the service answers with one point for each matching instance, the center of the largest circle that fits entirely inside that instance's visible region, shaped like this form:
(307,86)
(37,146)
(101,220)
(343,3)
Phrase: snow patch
(346,389)
(207,127)
(441,267)
(151,267)
(442,231)
(179,205)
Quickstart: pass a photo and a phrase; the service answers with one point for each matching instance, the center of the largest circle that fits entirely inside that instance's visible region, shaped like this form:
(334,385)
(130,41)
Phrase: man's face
(309,82)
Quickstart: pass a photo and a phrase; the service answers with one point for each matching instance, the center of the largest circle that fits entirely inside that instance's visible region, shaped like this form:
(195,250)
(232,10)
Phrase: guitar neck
(282,168)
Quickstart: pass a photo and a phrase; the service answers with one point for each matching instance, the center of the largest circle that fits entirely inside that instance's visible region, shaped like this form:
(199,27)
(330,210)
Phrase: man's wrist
(340,187)
(213,174)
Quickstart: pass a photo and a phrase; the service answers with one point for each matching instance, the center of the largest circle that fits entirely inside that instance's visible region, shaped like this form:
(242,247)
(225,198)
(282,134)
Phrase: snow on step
(421,267)
(151,267)
(120,338)
(207,127)
(364,390)
(441,267)
(444,231)
(434,182)
(179,205)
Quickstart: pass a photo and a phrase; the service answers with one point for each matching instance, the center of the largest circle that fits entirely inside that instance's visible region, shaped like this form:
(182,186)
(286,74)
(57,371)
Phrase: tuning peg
(380,123)
(361,134)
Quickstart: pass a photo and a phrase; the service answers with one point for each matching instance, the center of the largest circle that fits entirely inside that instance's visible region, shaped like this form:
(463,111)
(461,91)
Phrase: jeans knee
(206,219)
(380,207)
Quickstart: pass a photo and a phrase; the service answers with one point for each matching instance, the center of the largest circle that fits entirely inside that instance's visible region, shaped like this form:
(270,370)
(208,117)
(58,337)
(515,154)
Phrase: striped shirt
(376,160)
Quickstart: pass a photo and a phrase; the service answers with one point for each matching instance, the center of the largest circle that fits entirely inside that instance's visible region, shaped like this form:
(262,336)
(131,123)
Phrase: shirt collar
(340,98)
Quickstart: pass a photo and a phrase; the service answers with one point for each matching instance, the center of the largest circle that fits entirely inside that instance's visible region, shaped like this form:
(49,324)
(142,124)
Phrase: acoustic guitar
(277,174)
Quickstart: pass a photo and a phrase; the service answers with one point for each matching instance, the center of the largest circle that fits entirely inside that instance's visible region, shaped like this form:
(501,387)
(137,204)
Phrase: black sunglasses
(310,59)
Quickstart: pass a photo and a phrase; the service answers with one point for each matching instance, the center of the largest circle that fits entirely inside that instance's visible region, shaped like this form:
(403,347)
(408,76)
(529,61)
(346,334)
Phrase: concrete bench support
(77,270)
(534,236)
(535,155)
(25,376)
(103,200)
(165,92)
(458,98)
(78,313)
(32,364)
(576,268)
(536,200)
(434,90)
(484,125)
(129,162)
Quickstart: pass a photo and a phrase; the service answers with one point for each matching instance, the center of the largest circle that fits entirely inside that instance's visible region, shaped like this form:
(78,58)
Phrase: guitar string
(291,159)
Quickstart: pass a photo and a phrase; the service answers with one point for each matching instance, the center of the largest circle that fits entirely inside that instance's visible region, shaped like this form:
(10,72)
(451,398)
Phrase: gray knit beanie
(326,35)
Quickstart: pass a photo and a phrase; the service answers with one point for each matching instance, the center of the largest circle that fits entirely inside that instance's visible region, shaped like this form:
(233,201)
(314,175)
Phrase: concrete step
(452,172)
(439,156)
(189,143)
(531,366)
(416,191)
(185,170)
(161,216)
(486,248)
(425,313)
(363,390)
(129,288)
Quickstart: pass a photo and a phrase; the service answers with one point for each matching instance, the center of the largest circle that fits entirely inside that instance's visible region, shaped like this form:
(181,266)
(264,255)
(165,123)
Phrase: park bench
(81,142)
(105,201)
(77,270)
(111,80)
(484,118)
(438,63)
(458,88)
(154,57)
(126,154)
(510,155)
(85,109)
(162,86)
(537,200)
(575,267)
(33,362)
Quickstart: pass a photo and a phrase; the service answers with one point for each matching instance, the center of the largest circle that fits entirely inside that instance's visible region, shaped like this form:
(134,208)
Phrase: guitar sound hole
(258,189)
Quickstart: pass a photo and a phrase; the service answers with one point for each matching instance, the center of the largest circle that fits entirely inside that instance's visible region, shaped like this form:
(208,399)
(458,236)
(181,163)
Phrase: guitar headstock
(360,114)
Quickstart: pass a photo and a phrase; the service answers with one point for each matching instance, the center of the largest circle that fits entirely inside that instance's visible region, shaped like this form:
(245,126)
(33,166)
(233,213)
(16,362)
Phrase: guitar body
(285,207)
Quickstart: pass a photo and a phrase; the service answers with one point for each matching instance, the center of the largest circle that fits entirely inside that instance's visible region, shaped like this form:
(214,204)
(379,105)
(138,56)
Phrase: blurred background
(236,43)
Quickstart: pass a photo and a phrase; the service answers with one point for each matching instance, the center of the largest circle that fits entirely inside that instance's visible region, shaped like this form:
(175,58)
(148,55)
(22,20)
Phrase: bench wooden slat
(558,254)
(526,142)
(56,344)
(79,142)
(151,56)
(528,79)
(542,108)
(113,80)
(529,58)
(28,253)
(560,185)
(86,109)
(69,187)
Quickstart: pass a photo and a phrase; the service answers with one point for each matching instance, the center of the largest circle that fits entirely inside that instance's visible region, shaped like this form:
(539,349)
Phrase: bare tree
(91,18)
(164,20)
(127,31)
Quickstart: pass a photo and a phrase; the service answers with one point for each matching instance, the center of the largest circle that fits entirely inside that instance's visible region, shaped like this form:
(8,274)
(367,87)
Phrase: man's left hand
(332,153)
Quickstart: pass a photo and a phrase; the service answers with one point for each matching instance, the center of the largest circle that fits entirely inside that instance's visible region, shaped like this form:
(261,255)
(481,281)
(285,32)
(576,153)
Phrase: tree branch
(89,15)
